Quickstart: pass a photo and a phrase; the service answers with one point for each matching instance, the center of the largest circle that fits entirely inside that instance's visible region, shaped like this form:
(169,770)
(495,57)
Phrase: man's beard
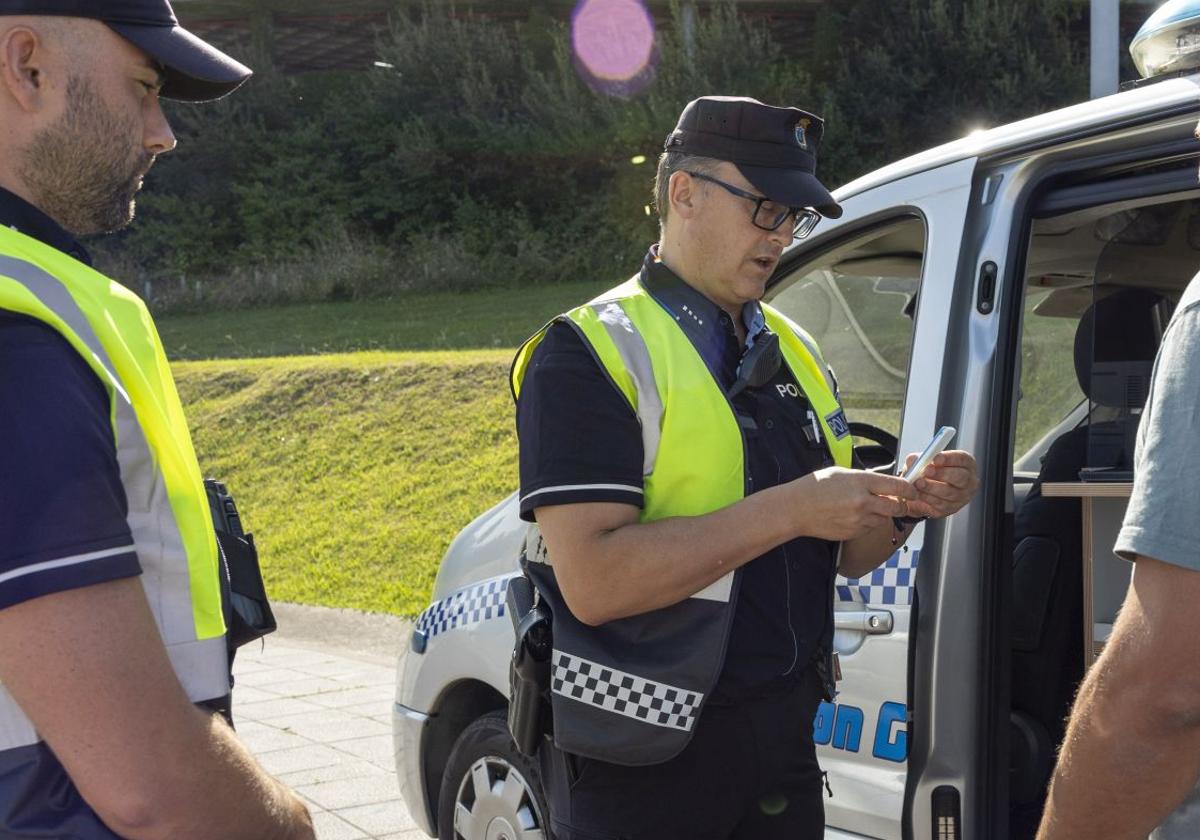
(76,171)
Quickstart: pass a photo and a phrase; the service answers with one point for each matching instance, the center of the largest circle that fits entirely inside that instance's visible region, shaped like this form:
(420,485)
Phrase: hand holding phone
(940,441)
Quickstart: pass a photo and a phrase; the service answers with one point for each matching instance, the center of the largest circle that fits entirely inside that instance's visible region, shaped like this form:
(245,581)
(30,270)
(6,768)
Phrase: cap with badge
(774,148)
(195,70)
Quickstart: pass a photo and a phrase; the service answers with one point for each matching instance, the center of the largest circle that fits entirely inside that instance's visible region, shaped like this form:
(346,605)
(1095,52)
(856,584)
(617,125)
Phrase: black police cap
(195,71)
(775,148)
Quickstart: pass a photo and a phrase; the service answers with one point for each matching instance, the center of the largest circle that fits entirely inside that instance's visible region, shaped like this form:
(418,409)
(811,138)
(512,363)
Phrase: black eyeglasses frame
(806,218)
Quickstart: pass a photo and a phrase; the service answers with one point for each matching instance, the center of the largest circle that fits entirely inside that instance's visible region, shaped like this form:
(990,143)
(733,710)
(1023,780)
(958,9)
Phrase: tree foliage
(903,75)
(475,153)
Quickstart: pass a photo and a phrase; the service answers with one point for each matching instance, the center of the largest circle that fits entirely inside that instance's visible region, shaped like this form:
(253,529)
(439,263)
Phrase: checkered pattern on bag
(625,694)
(891,583)
(471,605)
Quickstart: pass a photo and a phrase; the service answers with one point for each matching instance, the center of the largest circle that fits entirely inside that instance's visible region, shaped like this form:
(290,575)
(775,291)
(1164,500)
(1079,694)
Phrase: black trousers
(749,773)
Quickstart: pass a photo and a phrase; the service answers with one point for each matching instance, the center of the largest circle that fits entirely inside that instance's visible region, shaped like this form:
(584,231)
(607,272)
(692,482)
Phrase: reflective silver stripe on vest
(816,355)
(534,548)
(719,590)
(156,537)
(15,728)
(625,694)
(636,357)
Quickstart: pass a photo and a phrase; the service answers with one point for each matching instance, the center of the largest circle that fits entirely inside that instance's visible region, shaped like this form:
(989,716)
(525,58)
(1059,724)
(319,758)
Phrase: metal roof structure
(1073,122)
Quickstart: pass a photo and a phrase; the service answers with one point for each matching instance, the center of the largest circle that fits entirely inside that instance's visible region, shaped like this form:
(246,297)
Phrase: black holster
(529,671)
(244,601)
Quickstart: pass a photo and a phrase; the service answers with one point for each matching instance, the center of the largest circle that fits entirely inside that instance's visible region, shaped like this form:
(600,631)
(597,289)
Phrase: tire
(489,790)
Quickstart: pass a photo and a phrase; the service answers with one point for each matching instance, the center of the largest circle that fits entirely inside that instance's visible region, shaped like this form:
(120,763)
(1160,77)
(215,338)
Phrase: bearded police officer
(689,466)
(112,641)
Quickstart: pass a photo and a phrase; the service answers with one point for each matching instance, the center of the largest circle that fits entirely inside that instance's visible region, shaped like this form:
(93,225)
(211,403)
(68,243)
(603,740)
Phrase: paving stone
(260,738)
(332,827)
(273,677)
(354,768)
(373,709)
(273,708)
(320,720)
(247,659)
(305,686)
(300,758)
(347,697)
(250,694)
(375,748)
(349,793)
(295,657)
(346,670)
(313,807)
(329,725)
(379,818)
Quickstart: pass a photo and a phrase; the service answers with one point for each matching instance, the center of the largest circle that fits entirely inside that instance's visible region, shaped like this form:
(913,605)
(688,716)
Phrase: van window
(1100,284)
(1131,255)
(858,301)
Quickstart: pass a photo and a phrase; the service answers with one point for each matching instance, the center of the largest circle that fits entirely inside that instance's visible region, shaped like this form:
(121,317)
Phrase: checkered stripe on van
(891,583)
(466,606)
(624,694)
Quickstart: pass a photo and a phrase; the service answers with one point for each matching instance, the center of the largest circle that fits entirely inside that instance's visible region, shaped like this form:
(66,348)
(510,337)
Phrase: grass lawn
(1049,387)
(355,471)
(434,321)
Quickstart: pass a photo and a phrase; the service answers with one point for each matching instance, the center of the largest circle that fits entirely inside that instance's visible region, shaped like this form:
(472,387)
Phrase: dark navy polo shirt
(580,442)
(62,505)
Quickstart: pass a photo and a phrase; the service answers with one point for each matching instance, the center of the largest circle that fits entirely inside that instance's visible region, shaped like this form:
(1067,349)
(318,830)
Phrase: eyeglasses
(768,214)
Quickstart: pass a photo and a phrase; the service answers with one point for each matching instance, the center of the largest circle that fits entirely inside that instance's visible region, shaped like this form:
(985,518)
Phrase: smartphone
(940,441)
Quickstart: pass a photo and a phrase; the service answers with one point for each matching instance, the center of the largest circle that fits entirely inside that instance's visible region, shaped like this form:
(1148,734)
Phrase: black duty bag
(248,613)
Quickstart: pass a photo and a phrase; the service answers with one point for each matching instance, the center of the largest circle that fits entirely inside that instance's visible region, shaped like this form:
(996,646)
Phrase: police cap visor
(774,148)
(195,71)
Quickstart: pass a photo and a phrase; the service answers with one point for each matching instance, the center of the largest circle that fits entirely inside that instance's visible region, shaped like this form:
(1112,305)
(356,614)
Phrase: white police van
(1013,285)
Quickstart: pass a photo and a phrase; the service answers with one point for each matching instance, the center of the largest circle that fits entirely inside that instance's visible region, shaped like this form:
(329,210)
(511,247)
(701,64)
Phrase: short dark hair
(668,164)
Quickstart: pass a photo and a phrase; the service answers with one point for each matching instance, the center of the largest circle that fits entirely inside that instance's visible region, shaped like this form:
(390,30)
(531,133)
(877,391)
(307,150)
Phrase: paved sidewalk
(313,703)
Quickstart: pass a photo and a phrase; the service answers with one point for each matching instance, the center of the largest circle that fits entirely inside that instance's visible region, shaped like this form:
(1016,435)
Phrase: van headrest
(1116,328)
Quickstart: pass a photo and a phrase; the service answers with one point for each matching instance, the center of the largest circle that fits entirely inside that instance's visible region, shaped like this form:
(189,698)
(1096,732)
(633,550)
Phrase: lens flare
(613,42)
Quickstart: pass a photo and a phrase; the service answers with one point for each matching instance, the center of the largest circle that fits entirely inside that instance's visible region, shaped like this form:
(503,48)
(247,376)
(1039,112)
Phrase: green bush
(904,75)
(475,155)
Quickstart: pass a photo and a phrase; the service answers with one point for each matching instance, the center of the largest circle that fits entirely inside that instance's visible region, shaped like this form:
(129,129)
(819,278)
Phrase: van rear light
(947,813)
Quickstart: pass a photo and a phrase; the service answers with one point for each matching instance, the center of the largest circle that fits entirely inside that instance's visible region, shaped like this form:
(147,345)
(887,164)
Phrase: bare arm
(1132,750)
(89,669)
(611,566)
(864,554)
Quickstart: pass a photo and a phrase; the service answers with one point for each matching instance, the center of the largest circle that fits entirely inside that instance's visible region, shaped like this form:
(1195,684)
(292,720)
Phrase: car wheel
(489,790)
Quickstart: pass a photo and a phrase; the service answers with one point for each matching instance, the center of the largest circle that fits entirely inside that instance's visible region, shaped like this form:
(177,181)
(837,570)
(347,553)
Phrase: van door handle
(871,622)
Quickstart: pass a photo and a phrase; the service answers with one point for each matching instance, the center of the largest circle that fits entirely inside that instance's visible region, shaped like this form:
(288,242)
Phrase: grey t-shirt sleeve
(1163,518)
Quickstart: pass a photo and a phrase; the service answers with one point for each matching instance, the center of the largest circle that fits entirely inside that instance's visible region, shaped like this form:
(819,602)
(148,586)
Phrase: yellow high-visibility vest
(631,690)
(168,512)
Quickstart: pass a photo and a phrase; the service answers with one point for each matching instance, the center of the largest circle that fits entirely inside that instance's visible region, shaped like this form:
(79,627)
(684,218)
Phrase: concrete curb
(377,638)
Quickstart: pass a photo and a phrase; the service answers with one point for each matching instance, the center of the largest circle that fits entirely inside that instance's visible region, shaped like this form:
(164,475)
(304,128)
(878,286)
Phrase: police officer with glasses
(113,651)
(689,468)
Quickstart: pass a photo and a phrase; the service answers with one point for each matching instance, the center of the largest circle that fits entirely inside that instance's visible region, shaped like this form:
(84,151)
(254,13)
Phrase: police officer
(689,468)
(112,642)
